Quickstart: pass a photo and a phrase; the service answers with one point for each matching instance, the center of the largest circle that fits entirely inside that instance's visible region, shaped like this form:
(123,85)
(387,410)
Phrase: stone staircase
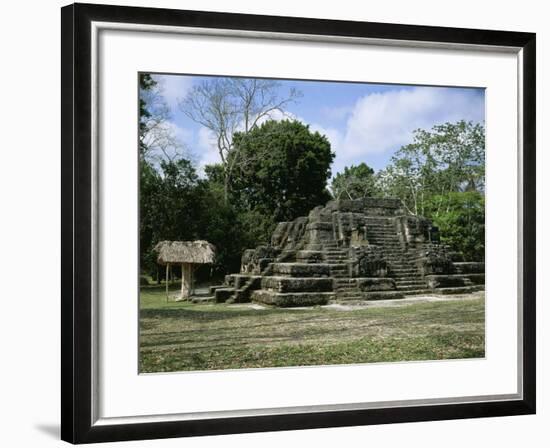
(296,284)
(401,260)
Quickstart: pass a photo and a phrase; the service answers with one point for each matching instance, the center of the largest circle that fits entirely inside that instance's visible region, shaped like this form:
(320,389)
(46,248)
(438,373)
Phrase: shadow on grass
(210,315)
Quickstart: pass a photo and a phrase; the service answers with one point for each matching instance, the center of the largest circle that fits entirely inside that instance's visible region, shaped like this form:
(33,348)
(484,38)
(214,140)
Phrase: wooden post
(167,270)
(192,279)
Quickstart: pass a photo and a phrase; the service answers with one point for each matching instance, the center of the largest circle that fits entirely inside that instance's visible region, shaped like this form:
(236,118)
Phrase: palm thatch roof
(199,252)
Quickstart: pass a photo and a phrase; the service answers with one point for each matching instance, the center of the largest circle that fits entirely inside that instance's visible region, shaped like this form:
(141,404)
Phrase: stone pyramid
(350,251)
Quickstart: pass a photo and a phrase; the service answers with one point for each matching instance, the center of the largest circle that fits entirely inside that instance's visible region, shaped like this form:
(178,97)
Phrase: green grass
(178,336)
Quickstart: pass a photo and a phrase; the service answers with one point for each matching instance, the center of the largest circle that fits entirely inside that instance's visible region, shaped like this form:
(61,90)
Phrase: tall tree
(355,182)
(461,221)
(448,158)
(228,105)
(291,176)
(157,137)
(171,201)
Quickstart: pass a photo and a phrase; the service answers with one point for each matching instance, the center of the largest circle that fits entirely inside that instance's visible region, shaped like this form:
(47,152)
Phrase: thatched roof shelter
(178,252)
(188,254)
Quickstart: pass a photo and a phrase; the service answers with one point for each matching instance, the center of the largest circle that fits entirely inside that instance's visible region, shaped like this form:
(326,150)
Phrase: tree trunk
(225,188)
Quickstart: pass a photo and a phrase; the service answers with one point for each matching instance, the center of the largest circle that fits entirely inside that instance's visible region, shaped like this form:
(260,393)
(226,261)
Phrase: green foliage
(176,205)
(146,82)
(448,158)
(285,169)
(441,175)
(460,217)
(170,206)
(355,182)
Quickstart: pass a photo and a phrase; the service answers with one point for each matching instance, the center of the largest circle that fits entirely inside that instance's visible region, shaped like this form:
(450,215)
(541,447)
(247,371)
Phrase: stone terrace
(350,251)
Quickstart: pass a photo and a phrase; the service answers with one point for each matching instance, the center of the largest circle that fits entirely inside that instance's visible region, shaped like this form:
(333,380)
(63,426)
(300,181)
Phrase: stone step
(213,288)
(366,296)
(349,293)
(297,284)
(203,299)
(387,295)
(348,299)
(459,289)
(411,288)
(223,294)
(302,269)
(291,299)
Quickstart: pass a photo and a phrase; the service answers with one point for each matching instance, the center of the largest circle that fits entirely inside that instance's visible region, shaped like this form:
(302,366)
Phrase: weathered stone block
(375,284)
(239,280)
(469,267)
(254,261)
(223,294)
(288,234)
(384,295)
(293,284)
(309,256)
(291,299)
(301,269)
(435,259)
(455,280)
(369,261)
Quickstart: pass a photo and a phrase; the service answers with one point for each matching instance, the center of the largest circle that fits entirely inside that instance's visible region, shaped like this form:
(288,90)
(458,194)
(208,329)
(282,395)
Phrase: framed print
(276,223)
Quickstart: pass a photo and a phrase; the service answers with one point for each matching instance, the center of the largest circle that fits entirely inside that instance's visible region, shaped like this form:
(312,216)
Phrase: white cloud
(207,150)
(182,134)
(336,113)
(174,88)
(383,122)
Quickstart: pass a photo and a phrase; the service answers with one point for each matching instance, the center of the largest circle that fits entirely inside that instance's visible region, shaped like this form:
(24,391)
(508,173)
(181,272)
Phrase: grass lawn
(179,336)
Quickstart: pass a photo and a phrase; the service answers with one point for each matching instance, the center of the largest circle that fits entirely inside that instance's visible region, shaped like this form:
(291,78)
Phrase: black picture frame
(76,220)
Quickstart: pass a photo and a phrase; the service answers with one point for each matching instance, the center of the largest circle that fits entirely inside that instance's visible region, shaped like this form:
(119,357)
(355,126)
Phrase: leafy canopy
(287,169)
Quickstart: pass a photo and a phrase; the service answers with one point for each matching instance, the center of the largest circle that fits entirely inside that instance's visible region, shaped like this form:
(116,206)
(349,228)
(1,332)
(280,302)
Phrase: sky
(363,122)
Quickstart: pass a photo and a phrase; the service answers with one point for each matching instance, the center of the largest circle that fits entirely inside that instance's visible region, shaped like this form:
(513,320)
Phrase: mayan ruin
(350,251)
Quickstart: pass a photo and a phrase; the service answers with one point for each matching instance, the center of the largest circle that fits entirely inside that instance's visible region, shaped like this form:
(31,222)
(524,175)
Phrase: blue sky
(364,122)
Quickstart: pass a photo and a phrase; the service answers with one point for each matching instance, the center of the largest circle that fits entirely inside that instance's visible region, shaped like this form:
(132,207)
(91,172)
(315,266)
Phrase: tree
(355,182)
(225,106)
(157,138)
(461,221)
(291,176)
(448,158)
(171,201)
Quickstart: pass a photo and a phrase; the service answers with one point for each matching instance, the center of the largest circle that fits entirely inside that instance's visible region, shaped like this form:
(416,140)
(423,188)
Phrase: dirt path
(380,303)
